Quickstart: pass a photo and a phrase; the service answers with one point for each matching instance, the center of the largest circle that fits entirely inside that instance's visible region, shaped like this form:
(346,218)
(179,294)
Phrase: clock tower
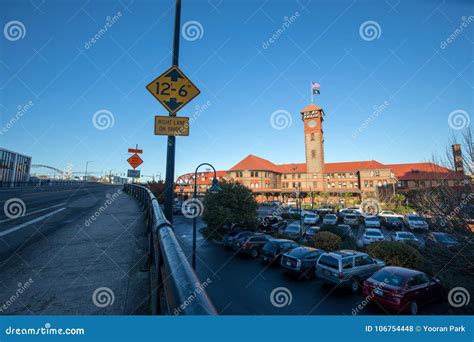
(313,117)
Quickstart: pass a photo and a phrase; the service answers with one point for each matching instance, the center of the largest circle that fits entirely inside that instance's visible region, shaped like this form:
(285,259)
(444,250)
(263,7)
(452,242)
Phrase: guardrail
(175,288)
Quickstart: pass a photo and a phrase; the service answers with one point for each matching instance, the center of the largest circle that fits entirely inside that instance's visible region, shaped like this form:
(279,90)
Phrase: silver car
(346,268)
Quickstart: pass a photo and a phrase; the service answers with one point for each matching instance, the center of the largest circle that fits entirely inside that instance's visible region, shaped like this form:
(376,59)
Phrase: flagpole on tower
(311,88)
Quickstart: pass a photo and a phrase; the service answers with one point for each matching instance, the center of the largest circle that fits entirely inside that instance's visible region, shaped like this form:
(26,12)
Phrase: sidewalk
(84,267)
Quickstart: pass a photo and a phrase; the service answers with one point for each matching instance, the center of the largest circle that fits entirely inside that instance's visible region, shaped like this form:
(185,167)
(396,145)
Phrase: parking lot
(240,285)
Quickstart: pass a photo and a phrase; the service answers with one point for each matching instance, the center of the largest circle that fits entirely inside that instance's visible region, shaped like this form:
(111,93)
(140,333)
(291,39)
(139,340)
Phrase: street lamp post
(214,188)
(87,164)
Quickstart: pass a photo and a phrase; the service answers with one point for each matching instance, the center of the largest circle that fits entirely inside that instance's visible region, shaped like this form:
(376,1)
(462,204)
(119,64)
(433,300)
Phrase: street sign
(171,125)
(173,89)
(134,150)
(133,173)
(135,161)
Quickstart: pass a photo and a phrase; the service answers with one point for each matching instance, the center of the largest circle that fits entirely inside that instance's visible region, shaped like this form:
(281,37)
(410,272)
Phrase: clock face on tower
(312,123)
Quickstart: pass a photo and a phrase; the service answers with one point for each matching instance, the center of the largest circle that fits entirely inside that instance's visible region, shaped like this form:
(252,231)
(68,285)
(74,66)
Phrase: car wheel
(254,252)
(414,308)
(354,285)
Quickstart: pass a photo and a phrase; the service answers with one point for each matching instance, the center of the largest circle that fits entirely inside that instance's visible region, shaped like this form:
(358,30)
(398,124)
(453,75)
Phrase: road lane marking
(33,212)
(23,225)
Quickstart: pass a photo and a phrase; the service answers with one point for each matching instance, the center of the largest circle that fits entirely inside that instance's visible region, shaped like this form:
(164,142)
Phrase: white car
(351,220)
(310,218)
(404,237)
(387,213)
(293,211)
(372,222)
(416,222)
(330,219)
(372,235)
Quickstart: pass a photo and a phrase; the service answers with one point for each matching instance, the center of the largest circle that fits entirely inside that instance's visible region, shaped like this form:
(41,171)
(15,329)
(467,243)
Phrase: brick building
(271,181)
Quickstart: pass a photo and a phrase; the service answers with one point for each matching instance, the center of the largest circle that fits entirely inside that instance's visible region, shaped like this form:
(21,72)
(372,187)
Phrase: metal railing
(175,288)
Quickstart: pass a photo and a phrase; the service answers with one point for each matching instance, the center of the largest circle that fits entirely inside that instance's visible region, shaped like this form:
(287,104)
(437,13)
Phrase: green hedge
(293,217)
(326,241)
(396,254)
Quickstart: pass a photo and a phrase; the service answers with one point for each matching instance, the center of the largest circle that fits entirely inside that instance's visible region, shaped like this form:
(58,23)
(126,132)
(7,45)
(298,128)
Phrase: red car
(401,289)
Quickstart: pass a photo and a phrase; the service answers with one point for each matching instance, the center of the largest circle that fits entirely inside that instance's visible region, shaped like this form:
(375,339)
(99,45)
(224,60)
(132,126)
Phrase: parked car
(301,261)
(441,239)
(230,237)
(371,222)
(310,232)
(310,218)
(330,219)
(386,213)
(293,230)
(372,235)
(392,222)
(405,237)
(252,245)
(346,230)
(272,224)
(293,211)
(342,213)
(177,209)
(400,289)
(274,249)
(416,222)
(346,268)
(351,219)
(322,212)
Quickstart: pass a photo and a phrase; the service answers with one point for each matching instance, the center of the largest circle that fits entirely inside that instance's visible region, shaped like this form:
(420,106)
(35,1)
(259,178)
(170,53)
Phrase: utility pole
(170,155)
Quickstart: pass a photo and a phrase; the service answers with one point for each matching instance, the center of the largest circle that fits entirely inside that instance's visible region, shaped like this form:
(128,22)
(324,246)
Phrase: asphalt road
(243,286)
(74,247)
(29,213)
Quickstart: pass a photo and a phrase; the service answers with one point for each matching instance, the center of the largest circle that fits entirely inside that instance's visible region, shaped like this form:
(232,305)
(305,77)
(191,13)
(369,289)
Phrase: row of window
(14,167)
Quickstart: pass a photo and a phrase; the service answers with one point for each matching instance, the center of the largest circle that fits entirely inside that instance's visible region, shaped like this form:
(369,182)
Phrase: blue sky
(405,66)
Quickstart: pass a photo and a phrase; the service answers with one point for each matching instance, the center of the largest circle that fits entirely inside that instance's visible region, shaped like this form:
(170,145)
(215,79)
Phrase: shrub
(336,230)
(396,254)
(326,241)
(233,204)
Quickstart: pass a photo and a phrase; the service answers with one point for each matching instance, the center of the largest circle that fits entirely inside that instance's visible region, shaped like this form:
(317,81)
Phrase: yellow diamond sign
(173,89)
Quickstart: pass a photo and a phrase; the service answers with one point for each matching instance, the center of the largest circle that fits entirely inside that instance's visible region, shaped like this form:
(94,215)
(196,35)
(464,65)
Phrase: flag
(316,91)
(315,85)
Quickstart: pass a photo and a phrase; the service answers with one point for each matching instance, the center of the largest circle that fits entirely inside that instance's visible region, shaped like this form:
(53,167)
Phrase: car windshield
(312,216)
(312,231)
(329,261)
(350,216)
(330,216)
(416,218)
(445,238)
(388,278)
(373,219)
(293,229)
(394,219)
(406,236)
(373,233)
(299,252)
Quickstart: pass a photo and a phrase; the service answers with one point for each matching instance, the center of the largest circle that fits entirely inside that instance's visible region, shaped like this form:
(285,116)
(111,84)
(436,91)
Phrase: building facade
(14,168)
(360,178)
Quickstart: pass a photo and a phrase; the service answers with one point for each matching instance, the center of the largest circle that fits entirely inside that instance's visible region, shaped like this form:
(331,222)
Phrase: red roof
(420,171)
(292,168)
(310,108)
(353,166)
(252,162)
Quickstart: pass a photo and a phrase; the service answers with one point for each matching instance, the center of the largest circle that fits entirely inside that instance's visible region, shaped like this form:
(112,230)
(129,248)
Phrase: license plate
(378,292)
(288,263)
(327,272)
